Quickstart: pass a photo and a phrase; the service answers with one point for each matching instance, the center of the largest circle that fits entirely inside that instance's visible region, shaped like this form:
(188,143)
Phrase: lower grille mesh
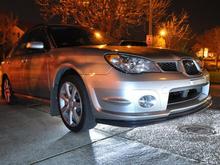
(168,66)
(185,95)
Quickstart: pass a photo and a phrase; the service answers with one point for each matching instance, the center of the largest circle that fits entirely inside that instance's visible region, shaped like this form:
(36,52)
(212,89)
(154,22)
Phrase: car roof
(56,25)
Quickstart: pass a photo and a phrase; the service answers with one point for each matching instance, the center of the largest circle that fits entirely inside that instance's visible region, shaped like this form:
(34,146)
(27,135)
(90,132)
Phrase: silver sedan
(86,80)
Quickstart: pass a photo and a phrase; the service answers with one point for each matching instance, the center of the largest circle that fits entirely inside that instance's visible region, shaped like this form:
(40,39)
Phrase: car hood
(151,53)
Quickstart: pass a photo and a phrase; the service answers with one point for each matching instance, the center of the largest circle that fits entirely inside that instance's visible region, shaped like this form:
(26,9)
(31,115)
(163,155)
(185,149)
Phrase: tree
(62,8)
(178,31)
(7,22)
(159,9)
(110,16)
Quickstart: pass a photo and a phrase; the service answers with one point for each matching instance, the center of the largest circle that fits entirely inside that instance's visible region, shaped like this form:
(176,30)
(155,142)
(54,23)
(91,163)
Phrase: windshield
(66,36)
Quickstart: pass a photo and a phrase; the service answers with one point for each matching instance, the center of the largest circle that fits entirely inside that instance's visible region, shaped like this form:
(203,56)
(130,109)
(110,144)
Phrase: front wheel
(74,104)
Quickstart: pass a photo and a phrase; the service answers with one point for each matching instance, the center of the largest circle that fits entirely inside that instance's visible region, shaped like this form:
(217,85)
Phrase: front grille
(168,66)
(184,95)
(190,67)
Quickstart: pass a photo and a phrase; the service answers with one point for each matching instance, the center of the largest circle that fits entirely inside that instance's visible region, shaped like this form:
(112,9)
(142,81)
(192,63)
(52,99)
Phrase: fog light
(147,101)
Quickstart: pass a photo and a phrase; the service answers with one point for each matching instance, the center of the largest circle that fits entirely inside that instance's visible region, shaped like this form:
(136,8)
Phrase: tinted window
(35,35)
(133,43)
(20,47)
(73,36)
(39,35)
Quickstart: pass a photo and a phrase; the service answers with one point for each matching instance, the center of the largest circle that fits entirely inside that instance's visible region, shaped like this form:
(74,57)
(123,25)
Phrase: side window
(39,35)
(35,35)
(19,49)
(69,36)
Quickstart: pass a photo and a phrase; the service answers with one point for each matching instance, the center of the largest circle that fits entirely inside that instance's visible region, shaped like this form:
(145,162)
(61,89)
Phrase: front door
(36,67)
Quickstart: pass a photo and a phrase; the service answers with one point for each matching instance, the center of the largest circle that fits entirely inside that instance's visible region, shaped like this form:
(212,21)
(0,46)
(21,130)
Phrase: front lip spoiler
(124,123)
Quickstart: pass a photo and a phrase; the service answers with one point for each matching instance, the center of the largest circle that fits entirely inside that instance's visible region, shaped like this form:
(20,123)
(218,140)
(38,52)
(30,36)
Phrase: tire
(7,92)
(74,104)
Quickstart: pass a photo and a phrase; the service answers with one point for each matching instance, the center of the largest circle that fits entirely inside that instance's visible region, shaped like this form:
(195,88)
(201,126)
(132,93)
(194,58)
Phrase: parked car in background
(87,81)
(132,43)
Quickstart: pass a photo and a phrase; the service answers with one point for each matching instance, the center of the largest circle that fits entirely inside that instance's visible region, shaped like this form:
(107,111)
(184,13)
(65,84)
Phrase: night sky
(204,14)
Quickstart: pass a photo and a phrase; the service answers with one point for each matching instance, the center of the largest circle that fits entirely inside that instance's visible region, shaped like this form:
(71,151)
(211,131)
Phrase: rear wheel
(74,104)
(7,91)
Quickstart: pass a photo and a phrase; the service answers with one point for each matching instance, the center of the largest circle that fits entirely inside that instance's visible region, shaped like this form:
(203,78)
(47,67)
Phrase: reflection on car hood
(152,53)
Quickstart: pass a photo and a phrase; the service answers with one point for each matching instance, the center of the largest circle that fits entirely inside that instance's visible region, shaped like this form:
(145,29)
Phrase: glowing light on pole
(163,32)
(98,35)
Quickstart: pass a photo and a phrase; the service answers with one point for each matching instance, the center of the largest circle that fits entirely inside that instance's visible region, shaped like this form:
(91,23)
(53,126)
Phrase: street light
(161,38)
(98,35)
(163,32)
(86,3)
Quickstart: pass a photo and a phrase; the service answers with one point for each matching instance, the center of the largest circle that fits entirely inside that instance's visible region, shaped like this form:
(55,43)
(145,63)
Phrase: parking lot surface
(29,135)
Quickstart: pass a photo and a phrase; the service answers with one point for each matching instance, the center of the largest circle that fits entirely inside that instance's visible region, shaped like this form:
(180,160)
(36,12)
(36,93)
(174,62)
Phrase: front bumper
(154,119)
(115,97)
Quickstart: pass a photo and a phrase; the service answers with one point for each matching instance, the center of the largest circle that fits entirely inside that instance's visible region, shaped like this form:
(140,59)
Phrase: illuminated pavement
(30,136)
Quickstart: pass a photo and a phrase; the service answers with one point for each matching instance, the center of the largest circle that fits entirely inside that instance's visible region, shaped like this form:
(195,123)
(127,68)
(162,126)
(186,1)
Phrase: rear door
(15,65)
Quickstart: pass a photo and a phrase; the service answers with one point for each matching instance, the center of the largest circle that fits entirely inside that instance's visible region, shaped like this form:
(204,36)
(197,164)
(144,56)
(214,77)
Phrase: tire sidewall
(77,82)
(3,91)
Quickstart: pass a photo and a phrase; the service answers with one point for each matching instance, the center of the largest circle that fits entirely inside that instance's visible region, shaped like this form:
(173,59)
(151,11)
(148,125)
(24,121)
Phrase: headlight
(131,64)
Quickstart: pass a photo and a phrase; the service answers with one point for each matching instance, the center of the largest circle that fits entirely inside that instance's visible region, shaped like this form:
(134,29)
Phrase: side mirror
(35,45)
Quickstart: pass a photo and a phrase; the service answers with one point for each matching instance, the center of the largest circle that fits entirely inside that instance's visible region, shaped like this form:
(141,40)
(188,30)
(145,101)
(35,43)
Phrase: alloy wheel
(70,104)
(7,91)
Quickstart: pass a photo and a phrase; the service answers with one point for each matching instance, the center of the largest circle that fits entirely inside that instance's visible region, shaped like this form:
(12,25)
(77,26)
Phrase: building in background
(7,42)
(209,58)
(15,34)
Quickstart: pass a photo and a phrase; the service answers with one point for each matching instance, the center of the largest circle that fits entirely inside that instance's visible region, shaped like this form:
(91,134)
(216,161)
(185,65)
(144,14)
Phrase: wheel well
(54,110)
(54,107)
(70,72)
(64,72)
